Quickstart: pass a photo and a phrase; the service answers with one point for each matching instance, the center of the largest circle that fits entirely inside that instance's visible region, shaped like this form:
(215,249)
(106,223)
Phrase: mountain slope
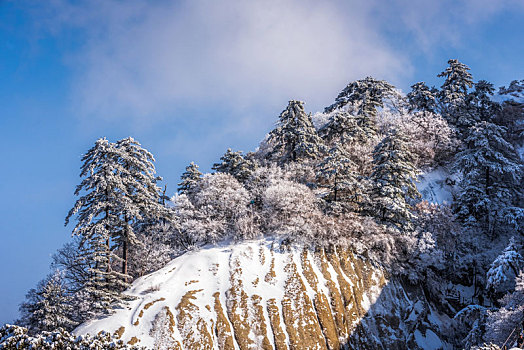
(266,295)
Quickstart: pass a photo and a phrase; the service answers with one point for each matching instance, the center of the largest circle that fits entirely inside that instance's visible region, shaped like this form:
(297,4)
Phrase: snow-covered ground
(261,267)
(437,186)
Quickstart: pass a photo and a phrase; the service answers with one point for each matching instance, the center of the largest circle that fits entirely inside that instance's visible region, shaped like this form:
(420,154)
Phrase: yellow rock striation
(319,299)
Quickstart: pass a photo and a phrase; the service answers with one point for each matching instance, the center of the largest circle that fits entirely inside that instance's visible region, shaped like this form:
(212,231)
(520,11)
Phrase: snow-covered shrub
(152,252)
(431,138)
(303,173)
(222,196)
(218,208)
(288,208)
(183,234)
(439,221)
(504,270)
(220,201)
(502,321)
(16,338)
(485,346)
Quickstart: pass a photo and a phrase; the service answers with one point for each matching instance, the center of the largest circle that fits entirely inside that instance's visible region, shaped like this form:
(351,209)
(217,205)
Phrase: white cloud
(141,60)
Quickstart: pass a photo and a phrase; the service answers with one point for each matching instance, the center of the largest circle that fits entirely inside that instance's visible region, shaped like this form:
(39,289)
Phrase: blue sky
(189,79)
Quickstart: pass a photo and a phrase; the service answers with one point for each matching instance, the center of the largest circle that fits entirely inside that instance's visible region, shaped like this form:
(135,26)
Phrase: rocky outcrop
(263,295)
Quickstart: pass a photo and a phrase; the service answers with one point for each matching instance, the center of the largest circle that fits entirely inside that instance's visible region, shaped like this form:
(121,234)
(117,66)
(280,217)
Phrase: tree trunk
(488,211)
(108,247)
(335,188)
(124,259)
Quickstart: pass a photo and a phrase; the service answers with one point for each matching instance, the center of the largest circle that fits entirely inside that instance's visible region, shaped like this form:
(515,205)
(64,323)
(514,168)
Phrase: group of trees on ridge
(345,176)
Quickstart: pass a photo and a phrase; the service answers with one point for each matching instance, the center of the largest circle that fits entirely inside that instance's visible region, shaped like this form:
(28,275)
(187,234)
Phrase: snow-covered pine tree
(422,98)
(295,137)
(97,214)
(189,179)
(103,288)
(393,178)
(364,97)
(118,191)
(480,104)
(235,164)
(515,90)
(337,173)
(504,270)
(341,128)
(453,94)
(142,195)
(491,175)
(49,306)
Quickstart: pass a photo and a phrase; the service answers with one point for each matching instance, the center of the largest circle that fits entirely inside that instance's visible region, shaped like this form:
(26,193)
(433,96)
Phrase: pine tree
(118,191)
(295,137)
(337,173)
(49,306)
(491,174)
(504,270)
(481,106)
(341,128)
(393,179)
(235,164)
(422,98)
(97,212)
(189,179)
(364,97)
(142,201)
(453,94)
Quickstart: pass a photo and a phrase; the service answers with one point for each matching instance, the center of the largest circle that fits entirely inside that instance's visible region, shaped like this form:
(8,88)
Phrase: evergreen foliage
(189,179)
(504,270)
(511,112)
(48,307)
(141,200)
(491,173)
(118,190)
(393,179)
(235,164)
(337,173)
(454,92)
(341,128)
(364,97)
(422,98)
(295,137)
(480,103)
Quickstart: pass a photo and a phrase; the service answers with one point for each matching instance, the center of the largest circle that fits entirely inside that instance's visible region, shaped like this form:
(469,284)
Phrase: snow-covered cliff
(265,295)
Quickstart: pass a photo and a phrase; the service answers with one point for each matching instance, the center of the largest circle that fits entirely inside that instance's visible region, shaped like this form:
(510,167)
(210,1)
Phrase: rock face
(262,295)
